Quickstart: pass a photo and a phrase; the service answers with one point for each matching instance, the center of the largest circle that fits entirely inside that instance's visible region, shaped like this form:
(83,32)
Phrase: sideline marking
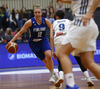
(33,71)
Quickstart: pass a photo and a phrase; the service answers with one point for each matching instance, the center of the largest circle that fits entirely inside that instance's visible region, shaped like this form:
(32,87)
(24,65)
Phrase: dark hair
(2,8)
(60,14)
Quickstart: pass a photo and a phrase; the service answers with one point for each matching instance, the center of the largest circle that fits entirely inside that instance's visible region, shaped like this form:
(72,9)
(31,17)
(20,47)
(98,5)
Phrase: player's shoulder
(29,22)
(32,18)
(47,20)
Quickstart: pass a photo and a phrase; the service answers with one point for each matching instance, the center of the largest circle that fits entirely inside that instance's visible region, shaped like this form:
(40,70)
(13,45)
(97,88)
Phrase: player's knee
(48,57)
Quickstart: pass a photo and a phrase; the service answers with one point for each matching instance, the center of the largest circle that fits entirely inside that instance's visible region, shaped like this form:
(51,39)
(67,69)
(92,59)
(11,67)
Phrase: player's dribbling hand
(54,55)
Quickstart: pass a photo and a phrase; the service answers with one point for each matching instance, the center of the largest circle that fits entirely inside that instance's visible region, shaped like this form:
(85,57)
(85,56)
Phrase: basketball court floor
(37,78)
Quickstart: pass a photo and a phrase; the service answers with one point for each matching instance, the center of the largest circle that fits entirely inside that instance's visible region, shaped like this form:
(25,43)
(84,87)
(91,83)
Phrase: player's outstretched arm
(23,29)
(64,1)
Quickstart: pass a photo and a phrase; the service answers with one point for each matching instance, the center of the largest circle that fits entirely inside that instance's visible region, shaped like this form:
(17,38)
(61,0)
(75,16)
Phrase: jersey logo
(33,21)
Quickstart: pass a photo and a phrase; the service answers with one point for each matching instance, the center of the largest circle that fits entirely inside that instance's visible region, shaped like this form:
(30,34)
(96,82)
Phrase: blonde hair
(37,6)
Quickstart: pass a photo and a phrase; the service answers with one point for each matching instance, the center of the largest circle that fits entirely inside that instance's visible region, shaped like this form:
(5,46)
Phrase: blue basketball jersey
(37,31)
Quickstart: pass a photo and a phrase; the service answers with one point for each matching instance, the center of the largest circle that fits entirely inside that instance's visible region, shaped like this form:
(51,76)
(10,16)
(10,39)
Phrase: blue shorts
(40,47)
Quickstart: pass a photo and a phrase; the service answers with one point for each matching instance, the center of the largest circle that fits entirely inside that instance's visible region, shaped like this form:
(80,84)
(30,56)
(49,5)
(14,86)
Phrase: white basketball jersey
(80,7)
(61,25)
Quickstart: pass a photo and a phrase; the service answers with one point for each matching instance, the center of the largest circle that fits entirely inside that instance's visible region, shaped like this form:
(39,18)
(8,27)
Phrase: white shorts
(83,38)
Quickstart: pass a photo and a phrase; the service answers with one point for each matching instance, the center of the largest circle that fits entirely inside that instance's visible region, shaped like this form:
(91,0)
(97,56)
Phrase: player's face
(37,13)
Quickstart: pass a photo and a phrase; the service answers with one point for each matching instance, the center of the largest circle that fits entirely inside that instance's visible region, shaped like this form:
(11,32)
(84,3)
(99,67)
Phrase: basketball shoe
(60,80)
(54,78)
(89,82)
(75,87)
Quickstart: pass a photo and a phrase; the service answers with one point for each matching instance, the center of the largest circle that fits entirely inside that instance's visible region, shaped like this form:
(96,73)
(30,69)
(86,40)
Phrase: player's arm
(88,16)
(48,23)
(24,28)
(93,7)
(52,42)
(51,33)
(64,1)
(52,38)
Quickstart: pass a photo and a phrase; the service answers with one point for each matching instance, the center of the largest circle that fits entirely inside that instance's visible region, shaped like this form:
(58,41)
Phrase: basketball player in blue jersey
(38,41)
(81,40)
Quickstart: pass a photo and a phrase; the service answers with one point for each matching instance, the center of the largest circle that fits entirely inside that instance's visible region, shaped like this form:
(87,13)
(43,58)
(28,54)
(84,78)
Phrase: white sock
(61,74)
(70,79)
(86,74)
(51,72)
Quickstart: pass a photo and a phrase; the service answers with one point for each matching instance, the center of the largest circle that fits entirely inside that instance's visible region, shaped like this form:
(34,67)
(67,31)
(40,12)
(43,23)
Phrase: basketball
(12,47)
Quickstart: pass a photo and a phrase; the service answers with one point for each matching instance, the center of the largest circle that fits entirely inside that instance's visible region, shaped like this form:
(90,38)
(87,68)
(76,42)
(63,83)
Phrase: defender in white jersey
(57,33)
(59,29)
(81,37)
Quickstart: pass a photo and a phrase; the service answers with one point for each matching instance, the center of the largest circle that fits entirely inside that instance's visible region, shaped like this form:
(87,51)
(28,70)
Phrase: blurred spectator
(25,36)
(6,9)
(23,15)
(51,15)
(32,12)
(60,7)
(4,19)
(48,8)
(51,12)
(15,18)
(15,32)
(1,38)
(8,35)
(44,13)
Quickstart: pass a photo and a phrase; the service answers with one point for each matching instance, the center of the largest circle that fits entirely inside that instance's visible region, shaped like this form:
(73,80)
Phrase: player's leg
(58,83)
(57,45)
(36,48)
(52,77)
(63,55)
(45,46)
(49,63)
(61,75)
(42,57)
(45,62)
(84,70)
(59,66)
(48,59)
(88,62)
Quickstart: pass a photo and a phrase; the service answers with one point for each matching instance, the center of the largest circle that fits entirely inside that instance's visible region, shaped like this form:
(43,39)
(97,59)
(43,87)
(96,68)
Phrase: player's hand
(86,19)
(54,55)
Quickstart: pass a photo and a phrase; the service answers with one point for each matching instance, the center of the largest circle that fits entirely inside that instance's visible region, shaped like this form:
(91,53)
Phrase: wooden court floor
(40,81)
